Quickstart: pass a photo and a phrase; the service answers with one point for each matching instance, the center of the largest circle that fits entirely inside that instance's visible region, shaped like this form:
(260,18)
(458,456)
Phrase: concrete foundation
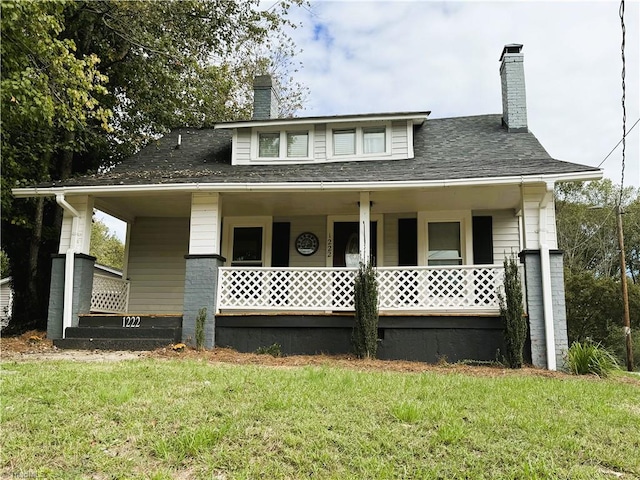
(426,339)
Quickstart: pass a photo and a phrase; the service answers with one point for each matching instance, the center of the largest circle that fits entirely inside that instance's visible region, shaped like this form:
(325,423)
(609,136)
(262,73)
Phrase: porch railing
(109,294)
(458,288)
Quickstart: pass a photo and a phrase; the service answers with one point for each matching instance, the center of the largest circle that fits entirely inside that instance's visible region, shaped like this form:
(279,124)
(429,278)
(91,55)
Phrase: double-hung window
(283,145)
(359,141)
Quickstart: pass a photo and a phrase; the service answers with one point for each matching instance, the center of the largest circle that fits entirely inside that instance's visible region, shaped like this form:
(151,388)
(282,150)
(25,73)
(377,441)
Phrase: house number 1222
(130,322)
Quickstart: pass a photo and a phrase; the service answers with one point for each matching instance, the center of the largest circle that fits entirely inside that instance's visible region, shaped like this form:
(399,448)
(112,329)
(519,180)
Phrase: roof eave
(305,186)
(416,117)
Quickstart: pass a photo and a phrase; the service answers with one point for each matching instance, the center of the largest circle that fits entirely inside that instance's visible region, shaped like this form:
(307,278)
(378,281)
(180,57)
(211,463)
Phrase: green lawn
(187,419)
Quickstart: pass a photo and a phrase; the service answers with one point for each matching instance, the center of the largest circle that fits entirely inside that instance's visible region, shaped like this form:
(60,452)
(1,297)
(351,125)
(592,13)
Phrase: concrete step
(133,344)
(130,321)
(170,334)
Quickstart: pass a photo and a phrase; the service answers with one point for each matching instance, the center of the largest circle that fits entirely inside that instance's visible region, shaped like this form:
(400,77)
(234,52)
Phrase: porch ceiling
(318,203)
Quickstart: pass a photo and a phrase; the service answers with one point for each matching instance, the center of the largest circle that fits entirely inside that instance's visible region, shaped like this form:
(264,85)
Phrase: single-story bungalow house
(262,222)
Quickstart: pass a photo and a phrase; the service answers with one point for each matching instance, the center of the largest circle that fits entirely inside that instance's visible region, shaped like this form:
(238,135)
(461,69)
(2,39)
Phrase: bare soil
(34,345)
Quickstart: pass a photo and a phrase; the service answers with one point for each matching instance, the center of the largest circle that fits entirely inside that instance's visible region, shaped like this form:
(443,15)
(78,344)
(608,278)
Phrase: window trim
(359,146)
(230,223)
(463,217)
(282,154)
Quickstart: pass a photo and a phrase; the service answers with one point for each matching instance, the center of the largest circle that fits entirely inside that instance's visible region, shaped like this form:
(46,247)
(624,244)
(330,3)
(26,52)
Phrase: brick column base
(82,288)
(200,289)
(535,307)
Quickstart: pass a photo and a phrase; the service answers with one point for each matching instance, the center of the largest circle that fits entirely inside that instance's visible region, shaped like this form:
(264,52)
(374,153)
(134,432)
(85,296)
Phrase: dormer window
(269,145)
(283,145)
(297,144)
(344,142)
(374,140)
(359,141)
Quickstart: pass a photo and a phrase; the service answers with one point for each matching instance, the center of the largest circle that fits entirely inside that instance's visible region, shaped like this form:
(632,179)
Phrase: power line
(613,149)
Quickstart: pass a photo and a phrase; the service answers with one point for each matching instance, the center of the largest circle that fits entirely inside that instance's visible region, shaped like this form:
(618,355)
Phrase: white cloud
(386,56)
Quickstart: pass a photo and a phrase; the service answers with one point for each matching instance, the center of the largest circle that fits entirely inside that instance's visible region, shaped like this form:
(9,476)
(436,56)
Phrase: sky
(443,57)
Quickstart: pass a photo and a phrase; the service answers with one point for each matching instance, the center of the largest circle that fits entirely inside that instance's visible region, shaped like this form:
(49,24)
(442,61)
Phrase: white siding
(315,224)
(320,143)
(243,146)
(399,145)
(505,233)
(531,196)
(157,265)
(391,237)
(84,206)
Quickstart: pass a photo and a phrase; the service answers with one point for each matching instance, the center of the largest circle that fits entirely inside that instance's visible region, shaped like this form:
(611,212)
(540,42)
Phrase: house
(6,301)
(262,221)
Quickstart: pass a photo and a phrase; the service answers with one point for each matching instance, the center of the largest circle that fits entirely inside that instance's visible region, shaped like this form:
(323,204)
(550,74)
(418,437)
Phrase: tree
(587,233)
(87,83)
(106,246)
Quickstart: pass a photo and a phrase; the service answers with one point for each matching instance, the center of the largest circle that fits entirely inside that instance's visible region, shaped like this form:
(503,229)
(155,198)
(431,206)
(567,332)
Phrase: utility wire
(613,149)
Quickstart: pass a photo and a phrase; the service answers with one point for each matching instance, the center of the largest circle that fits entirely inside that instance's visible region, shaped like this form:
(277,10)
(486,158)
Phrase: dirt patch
(34,345)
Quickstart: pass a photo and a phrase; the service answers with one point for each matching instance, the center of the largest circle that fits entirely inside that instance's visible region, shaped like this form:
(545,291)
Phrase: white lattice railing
(456,288)
(109,294)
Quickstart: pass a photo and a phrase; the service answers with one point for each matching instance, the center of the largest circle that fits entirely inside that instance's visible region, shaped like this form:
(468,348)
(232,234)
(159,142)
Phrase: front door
(347,244)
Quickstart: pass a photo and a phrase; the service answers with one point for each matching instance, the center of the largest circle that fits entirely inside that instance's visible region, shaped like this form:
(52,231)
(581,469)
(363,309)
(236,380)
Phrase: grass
(163,419)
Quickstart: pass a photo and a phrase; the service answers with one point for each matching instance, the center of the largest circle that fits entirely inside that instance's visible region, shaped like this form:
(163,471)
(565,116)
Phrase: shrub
(587,358)
(365,329)
(274,350)
(512,311)
(200,319)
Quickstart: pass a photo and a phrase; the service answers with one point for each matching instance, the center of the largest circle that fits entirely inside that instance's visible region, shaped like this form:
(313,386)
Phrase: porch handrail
(109,294)
(449,288)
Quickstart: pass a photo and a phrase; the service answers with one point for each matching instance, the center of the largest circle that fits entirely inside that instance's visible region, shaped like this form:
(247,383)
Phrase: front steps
(122,332)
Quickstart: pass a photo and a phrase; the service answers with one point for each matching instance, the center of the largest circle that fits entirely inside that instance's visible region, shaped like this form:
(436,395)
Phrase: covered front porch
(246,257)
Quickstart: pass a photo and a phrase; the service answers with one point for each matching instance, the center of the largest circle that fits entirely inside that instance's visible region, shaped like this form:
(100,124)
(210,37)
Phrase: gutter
(545,272)
(302,186)
(69,265)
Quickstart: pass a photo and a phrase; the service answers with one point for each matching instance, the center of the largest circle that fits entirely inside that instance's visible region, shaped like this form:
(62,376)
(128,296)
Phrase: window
(349,141)
(297,144)
(281,145)
(247,247)
(444,244)
(374,140)
(269,145)
(344,142)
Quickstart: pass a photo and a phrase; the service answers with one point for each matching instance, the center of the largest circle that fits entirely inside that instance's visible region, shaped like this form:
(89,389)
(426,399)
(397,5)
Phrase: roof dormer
(387,136)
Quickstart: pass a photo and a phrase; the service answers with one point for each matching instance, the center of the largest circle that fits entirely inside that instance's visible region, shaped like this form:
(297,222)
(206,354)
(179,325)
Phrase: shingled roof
(445,149)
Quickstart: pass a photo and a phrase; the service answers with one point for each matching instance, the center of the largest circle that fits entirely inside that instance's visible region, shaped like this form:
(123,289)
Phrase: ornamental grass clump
(589,358)
(512,311)
(365,330)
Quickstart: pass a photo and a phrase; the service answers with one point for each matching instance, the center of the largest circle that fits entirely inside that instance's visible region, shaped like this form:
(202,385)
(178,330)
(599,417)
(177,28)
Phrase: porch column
(72,269)
(202,263)
(544,281)
(365,228)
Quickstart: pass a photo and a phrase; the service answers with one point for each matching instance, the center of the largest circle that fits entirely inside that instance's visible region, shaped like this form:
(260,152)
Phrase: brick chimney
(265,98)
(514,100)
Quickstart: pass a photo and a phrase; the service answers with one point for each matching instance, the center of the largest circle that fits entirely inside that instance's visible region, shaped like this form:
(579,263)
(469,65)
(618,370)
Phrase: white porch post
(365,228)
(206,218)
(202,264)
(75,237)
